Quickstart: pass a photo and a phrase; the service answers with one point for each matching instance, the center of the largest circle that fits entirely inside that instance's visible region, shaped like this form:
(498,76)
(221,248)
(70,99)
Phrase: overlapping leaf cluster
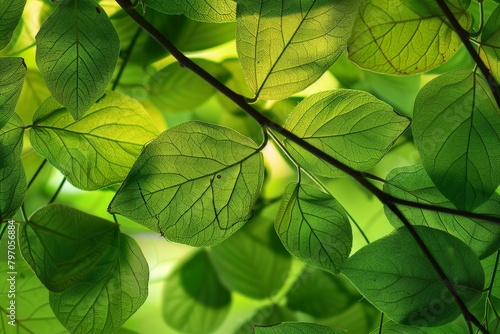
(201,183)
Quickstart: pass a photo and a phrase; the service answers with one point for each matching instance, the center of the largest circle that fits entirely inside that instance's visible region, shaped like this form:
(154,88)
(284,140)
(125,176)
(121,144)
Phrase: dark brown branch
(464,36)
(241,101)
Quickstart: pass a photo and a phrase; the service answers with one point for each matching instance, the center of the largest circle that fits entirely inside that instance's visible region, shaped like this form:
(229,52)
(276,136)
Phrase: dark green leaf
(394,328)
(494,326)
(457,131)
(297,328)
(269,314)
(252,263)
(10,14)
(109,295)
(489,50)
(194,299)
(98,149)
(351,126)
(189,35)
(77,50)
(489,265)
(11,141)
(412,183)
(314,227)
(62,245)
(196,183)
(396,277)
(360,318)
(12,72)
(404,37)
(199,10)
(286,46)
(32,309)
(175,88)
(12,177)
(321,294)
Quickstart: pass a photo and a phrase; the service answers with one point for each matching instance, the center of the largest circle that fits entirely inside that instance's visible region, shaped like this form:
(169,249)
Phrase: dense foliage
(368,131)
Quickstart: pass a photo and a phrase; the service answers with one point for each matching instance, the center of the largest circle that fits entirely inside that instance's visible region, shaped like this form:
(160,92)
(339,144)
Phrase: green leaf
(314,227)
(351,126)
(296,328)
(12,177)
(11,141)
(100,148)
(391,327)
(62,245)
(412,183)
(171,89)
(489,265)
(12,72)
(196,183)
(199,10)
(286,46)
(321,294)
(489,50)
(269,314)
(12,189)
(107,296)
(494,326)
(32,309)
(405,37)
(194,299)
(10,14)
(77,50)
(254,264)
(396,277)
(457,129)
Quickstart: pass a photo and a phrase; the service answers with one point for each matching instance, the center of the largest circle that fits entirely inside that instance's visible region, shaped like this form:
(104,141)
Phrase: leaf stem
(126,57)
(464,36)
(241,101)
(36,174)
(57,191)
(381,323)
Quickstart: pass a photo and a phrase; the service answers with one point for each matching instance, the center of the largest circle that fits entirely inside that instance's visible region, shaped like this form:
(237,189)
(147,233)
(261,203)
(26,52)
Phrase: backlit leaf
(391,327)
(199,10)
(321,294)
(269,314)
(457,131)
(194,299)
(98,149)
(351,126)
(254,264)
(174,88)
(314,227)
(62,245)
(489,51)
(395,276)
(196,183)
(77,50)
(10,14)
(12,176)
(405,37)
(412,183)
(296,328)
(285,46)
(12,72)
(489,265)
(32,310)
(109,295)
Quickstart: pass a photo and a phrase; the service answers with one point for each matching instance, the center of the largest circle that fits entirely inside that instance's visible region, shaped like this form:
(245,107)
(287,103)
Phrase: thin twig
(126,58)
(57,191)
(464,36)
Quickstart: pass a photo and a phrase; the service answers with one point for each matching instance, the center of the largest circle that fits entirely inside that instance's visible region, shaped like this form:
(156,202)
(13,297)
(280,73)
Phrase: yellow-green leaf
(100,148)
(405,37)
